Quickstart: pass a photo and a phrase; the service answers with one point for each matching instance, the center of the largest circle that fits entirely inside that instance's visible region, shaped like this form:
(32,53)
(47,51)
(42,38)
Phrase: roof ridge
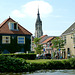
(50,38)
(24,28)
(67,29)
(43,36)
(4,22)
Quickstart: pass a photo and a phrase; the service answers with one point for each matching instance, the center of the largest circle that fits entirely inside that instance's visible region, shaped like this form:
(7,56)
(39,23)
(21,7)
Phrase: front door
(68,52)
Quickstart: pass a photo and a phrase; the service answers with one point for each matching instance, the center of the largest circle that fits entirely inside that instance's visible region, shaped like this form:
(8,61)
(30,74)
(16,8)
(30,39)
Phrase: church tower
(38,26)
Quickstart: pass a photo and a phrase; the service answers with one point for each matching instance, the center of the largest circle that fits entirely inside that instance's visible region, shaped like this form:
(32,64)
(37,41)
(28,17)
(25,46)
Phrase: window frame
(74,38)
(20,40)
(12,27)
(7,38)
(64,39)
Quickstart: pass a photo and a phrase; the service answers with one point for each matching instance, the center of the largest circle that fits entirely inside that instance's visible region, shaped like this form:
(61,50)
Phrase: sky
(56,15)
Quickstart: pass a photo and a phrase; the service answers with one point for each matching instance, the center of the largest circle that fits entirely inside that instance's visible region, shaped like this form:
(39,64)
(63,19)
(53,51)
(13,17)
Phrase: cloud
(17,13)
(30,9)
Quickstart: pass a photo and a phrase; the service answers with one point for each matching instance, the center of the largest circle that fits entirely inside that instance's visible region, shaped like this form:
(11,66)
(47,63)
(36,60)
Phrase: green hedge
(30,56)
(72,62)
(12,64)
(53,64)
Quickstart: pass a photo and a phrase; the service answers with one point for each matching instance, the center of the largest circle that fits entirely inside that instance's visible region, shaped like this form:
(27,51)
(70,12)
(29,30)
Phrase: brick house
(14,37)
(47,45)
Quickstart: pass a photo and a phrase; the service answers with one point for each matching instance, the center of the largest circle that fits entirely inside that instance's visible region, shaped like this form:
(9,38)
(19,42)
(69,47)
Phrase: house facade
(14,37)
(45,41)
(69,45)
(47,46)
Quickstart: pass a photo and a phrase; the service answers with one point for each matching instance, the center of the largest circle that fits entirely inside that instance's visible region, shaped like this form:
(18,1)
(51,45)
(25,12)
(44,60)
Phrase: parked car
(44,56)
(18,52)
(48,56)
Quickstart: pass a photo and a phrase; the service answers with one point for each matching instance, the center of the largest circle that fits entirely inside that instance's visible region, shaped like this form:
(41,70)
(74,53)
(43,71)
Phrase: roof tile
(70,29)
(43,36)
(4,29)
(47,40)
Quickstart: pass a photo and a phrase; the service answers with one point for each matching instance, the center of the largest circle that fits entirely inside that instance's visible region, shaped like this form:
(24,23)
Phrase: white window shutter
(9,24)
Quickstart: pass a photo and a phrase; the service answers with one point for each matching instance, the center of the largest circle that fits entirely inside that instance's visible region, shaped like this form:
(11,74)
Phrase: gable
(4,28)
(71,29)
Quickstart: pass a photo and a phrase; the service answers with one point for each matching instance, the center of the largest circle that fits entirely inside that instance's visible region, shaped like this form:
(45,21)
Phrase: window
(74,38)
(48,44)
(6,39)
(64,39)
(13,25)
(21,40)
(68,50)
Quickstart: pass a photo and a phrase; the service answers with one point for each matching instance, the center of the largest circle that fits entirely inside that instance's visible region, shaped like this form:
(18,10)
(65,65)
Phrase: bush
(11,64)
(53,64)
(66,64)
(57,64)
(72,62)
(30,56)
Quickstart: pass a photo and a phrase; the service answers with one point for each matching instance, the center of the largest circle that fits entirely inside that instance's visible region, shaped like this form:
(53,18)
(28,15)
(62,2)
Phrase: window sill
(14,30)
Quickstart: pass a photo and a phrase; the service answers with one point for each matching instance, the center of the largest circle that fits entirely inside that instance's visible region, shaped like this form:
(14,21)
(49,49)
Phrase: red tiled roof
(4,29)
(43,36)
(4,22)
(47,40)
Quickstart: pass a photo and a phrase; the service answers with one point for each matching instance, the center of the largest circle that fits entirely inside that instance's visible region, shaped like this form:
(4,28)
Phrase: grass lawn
(38,61)
(43,60)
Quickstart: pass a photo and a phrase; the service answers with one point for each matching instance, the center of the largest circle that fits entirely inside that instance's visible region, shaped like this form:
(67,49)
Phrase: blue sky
(56,15)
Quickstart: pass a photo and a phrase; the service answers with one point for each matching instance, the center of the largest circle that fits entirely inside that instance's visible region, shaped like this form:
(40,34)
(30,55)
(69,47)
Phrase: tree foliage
(37,47)
(36,41)
(57,43)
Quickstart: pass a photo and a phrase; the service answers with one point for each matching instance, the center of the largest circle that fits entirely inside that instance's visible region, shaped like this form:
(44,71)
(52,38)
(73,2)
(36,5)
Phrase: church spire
(38,26)
(38,12)
(38,16)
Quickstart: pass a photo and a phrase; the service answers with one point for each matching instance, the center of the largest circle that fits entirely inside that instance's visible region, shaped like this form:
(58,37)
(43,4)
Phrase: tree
(37,47)
(57,43)
(36,41)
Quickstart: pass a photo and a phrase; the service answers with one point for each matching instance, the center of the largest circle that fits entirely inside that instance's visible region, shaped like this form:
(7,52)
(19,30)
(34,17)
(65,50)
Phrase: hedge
(30,56)
(12,64)
(53,64)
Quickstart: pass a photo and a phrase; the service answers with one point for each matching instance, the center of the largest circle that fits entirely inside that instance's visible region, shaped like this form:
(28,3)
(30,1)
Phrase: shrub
(53,64)
(72,62)
(11,64)
(30,56)
(57,64)
(66,64)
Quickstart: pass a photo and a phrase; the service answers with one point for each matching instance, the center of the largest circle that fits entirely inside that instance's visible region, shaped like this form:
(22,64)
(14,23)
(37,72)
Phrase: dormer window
(13,25)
